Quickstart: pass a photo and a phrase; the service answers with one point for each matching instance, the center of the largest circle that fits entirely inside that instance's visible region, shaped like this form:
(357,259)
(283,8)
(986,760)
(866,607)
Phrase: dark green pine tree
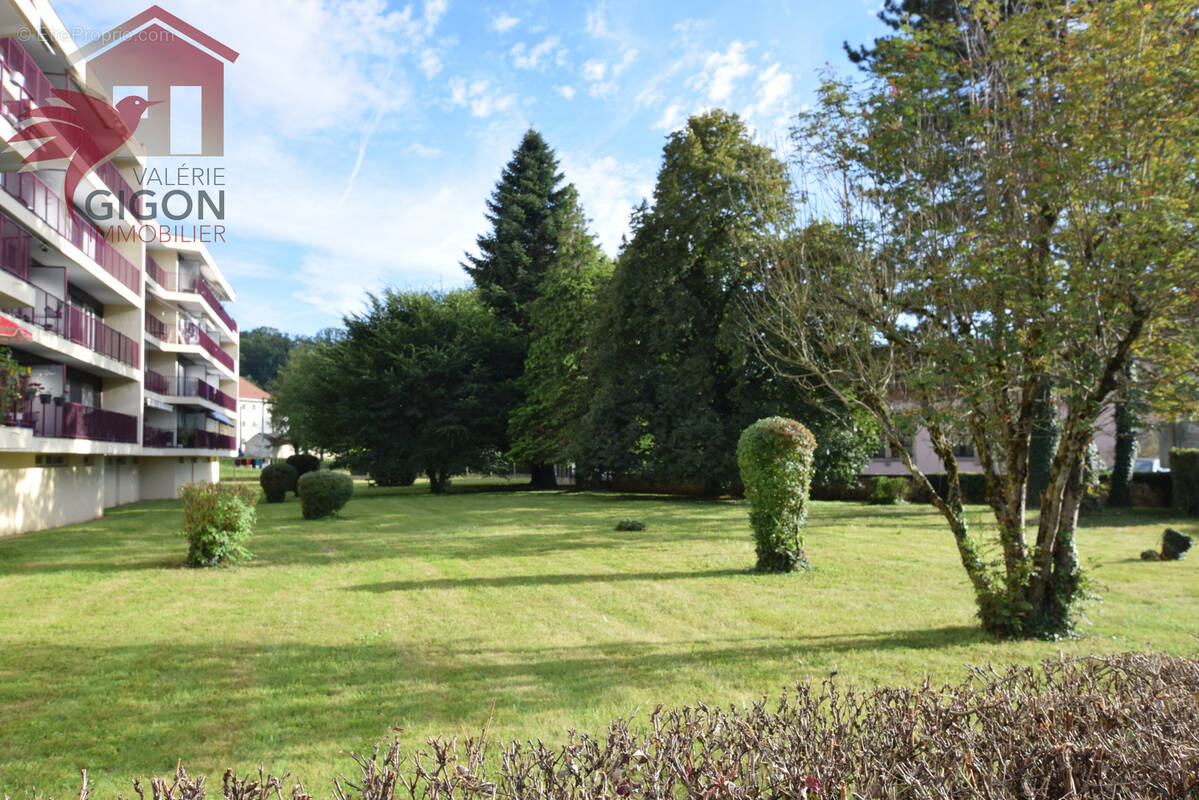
(527,211)
(544,427)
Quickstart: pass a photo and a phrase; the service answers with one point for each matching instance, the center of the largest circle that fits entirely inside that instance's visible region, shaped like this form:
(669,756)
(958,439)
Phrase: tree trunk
(542,476)
(1120,493)
(1042,445)
(439,479)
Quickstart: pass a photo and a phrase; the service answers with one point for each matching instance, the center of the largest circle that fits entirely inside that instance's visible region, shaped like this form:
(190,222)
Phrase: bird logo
(83,129)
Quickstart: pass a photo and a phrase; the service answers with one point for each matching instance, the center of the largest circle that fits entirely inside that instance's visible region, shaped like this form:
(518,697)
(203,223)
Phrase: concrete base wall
(34,497)
(49,491)
(162,477)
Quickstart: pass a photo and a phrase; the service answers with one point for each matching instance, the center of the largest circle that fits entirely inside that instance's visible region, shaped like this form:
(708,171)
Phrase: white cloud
(524,57)
(671,117)
(774,89)
(434,11)
(594,70)
(597,25)
(566,91)
(424,151)
(625,62)
(504,23)
(609,189)
(480,96)
(722,71)
(430,63)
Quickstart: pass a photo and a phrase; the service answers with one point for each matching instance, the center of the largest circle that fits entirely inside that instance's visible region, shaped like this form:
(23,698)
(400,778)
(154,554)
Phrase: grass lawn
(230,470)
(418,611)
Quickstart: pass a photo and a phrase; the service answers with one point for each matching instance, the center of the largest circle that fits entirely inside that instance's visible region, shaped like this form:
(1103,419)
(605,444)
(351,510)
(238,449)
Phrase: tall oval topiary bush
(277,480)
(775,457)
(323,493)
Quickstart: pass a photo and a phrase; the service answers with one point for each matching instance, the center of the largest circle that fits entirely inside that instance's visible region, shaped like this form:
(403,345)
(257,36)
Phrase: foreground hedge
(1116,727)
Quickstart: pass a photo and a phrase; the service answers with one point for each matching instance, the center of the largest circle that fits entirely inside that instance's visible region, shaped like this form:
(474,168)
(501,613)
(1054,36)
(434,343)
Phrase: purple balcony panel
(157,437)
(81,327)
(156,327)
(39,198)
(15,244)
(202,288)
(157,273)
(30,86)
(205,440)
(58,420)
(120,187)
(156,382)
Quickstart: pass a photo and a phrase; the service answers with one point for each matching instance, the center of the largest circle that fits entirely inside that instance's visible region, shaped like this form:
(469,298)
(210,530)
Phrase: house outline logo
(152,55)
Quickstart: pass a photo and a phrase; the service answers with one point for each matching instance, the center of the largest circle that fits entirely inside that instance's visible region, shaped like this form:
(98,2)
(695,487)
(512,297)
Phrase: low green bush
(303,463)
(890,490)
(277,480)
(323,493)
(1159,488)
(218,520)
(1184,468)
(630,525)
(775,458)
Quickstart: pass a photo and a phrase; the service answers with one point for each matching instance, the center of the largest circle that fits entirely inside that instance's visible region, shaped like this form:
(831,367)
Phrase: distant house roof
(248,391)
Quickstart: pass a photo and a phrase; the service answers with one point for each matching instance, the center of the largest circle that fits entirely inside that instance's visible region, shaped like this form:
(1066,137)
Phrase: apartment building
(128,358)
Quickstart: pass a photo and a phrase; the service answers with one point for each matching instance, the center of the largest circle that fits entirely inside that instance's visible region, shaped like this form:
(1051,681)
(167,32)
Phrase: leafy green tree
(263,352)
(674,383)
(429,378)
(554,385)
(529,211)
(1019,217)
(1042,443)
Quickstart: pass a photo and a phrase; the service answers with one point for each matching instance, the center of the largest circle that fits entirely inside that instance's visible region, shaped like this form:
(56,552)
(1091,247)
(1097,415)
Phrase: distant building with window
(257,433)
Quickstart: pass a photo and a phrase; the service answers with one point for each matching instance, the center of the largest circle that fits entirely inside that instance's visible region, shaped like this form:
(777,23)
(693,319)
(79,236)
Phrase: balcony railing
(157,437)
(58,420)
(15,248)
(190,333)
(156,382)
(205,440)
(117,184)
(81,327)
(202,288)
(194,387)
(160,275)
(39,198)
(25,85)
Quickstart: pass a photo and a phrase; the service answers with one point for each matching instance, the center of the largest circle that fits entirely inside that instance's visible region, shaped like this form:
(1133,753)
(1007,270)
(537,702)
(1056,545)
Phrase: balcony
(47,206)
(189,438)
(15,248)
(53,418)
(202,288)
(189,334)
(190,387)
(24,83)
(156,382)
(116,183)
(79,326)
(160,275)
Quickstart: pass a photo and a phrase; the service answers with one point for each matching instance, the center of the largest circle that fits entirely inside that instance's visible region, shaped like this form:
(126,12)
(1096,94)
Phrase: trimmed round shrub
(277,480)
(303,463)
(323,493)
(775,457)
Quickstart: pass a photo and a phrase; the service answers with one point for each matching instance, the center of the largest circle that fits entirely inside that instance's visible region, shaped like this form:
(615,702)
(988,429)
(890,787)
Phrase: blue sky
(362,138)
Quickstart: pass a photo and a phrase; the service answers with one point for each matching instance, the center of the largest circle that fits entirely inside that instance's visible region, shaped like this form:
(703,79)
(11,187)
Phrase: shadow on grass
(237,703)
(541,580)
